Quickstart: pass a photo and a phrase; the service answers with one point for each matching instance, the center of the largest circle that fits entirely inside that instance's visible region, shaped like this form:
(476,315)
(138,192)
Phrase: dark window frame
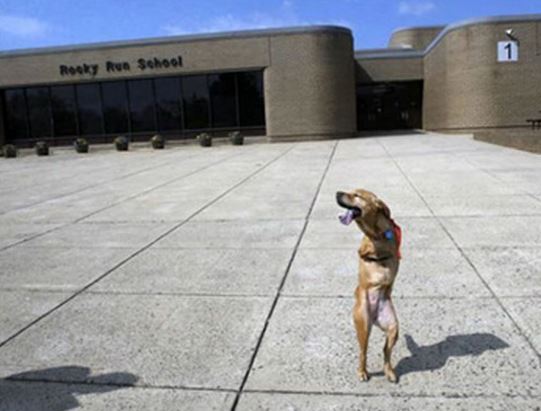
(251,116)
(109,128)
(39,136)
(188,126)
(212,100)
(179,104)
(131,104)
(5,113)
(75,110)
(102,134)
(99,109)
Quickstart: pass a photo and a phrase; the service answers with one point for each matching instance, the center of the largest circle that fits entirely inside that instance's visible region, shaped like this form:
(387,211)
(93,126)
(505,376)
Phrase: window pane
(141,105)
(168,103)
(115,107)
(15,107)
(251,100)
(39,111)
(224,104)
(196,102)
(90,115)
(63,106)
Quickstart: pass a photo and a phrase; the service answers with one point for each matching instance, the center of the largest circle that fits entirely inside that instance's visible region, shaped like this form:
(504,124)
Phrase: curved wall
(466,88)
(310,86)
(415,37)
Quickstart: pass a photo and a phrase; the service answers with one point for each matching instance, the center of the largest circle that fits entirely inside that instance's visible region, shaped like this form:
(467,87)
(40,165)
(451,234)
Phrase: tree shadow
(433,357)
(56,389)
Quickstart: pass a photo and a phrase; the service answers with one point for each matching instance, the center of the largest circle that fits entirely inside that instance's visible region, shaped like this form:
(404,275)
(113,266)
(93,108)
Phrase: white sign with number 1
(507,51)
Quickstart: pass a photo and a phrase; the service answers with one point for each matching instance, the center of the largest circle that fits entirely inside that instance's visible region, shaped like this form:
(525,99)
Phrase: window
(89,105)
(223,99)
(196,102)
(15,107)
(115,107)
(64,110)
(168,107)
(142,114)
(167,104)
(39,112)
(251,101)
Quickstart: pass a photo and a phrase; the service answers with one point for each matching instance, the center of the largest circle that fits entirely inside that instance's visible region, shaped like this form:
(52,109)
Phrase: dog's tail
(412,345)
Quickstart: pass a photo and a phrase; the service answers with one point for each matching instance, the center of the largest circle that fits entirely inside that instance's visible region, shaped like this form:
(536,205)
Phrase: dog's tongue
(347,217)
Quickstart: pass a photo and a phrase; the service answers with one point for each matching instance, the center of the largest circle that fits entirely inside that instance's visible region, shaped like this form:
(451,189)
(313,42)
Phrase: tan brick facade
(417,38)
(310,73)
(467,88)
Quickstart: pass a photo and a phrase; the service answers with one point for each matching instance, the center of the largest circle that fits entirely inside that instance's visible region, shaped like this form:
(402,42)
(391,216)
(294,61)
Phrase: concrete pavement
(219,278)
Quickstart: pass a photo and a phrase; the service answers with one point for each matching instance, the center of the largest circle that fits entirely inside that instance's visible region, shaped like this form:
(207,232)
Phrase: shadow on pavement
(55,389)
(433,357)
(388,133)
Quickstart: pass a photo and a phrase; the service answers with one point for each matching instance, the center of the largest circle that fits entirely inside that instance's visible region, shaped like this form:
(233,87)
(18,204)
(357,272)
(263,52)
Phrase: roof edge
(388,53)
(434,27)
(186,38)
(517,18)
(397,53)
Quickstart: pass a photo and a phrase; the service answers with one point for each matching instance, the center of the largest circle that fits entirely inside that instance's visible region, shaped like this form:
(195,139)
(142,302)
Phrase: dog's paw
(363,375)
(390,374)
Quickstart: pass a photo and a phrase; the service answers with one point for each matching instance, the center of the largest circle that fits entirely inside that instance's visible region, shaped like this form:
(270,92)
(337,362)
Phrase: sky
(38,23)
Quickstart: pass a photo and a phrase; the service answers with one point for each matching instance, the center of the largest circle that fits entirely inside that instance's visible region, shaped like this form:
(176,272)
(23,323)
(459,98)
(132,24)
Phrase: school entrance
(390,105)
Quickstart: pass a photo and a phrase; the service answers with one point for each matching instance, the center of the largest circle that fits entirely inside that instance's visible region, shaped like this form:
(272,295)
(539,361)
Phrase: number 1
(509,53)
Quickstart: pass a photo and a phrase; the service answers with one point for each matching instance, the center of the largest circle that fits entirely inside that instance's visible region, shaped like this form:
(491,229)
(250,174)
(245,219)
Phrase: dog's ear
(383,208)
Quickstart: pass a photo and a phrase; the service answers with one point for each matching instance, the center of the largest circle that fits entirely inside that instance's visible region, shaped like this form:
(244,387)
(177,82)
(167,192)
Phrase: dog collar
(394,233)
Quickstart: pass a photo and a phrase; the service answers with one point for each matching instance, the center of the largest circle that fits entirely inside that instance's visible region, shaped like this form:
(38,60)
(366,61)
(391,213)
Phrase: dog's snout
(340,199)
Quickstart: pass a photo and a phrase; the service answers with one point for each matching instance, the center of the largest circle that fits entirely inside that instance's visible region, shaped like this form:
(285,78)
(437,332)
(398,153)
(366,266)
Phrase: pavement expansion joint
(120,385)
(284,278)
(180,294)
(376,395)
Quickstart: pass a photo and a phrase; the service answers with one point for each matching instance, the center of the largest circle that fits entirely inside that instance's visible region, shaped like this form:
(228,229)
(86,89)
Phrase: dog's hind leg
(390,341)
(389,323)
(363,326)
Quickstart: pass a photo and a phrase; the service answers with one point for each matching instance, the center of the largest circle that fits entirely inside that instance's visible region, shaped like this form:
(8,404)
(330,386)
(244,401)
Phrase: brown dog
(379,259)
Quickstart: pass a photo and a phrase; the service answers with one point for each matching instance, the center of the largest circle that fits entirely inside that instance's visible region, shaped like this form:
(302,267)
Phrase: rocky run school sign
(142,64)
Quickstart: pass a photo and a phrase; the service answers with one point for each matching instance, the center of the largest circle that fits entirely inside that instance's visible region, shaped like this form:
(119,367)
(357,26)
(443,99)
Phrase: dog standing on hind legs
(378,266)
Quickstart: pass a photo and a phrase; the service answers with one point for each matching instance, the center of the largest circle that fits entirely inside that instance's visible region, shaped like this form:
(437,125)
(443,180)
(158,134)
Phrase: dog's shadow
(435,356)
(37,389)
